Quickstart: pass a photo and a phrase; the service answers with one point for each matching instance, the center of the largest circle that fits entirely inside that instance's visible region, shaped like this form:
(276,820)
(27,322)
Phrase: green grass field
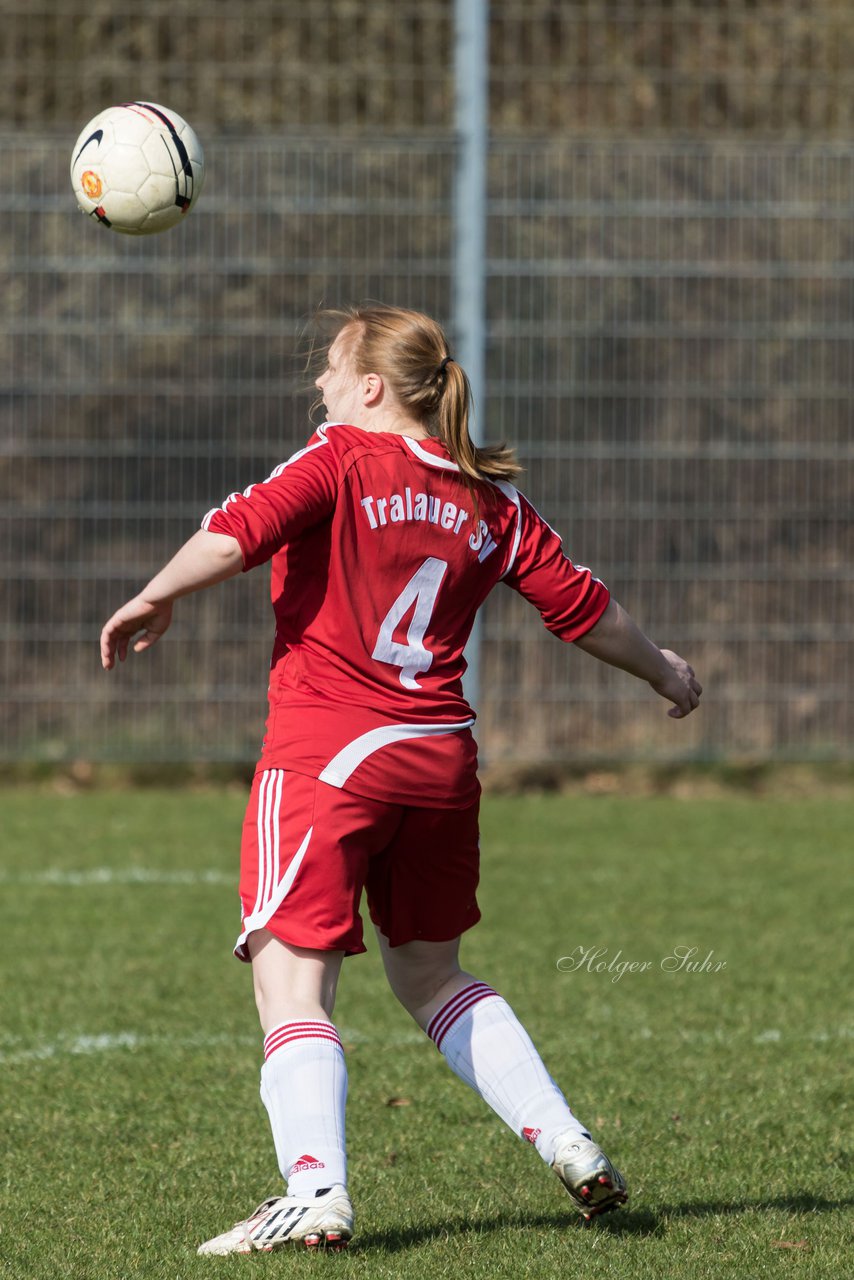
(129,1052)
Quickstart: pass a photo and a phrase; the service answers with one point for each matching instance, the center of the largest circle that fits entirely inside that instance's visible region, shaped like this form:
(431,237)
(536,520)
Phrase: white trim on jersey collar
(426,456)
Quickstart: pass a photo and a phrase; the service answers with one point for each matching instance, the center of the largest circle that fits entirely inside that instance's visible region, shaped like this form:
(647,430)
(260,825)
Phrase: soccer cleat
(324,1220)
(588,1175)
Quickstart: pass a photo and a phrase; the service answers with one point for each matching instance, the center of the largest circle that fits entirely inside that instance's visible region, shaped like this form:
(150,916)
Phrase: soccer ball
(137,168)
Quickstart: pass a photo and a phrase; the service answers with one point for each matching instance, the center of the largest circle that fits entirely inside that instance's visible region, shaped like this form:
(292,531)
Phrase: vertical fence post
(471,71)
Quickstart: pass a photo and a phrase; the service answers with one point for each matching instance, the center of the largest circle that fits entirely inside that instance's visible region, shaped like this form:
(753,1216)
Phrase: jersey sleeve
(298,494)
(568,597)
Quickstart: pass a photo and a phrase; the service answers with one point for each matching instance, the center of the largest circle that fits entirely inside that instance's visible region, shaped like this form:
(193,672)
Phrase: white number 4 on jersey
(412,657)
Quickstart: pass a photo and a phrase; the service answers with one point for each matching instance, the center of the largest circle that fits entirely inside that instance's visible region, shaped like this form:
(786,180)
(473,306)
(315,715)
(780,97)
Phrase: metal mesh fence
(669,345)
(671,333)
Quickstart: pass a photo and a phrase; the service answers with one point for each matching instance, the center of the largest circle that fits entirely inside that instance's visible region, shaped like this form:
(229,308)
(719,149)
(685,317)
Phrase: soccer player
(386,534)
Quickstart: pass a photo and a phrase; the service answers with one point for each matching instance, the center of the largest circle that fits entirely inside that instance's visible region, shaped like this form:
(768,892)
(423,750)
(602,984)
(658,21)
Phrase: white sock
(484,1043)
(304,1088)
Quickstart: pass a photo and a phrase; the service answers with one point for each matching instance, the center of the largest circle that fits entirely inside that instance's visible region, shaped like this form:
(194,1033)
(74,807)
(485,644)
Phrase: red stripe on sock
(450,1013)
(451,1007)
(276,1043)
(302,1026)
(296,1032)
(463,1008)
(290,1032)
(284,1044)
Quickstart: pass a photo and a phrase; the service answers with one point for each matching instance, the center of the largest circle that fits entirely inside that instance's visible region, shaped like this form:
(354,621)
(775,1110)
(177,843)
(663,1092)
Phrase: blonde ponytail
(492,461)
(410,351)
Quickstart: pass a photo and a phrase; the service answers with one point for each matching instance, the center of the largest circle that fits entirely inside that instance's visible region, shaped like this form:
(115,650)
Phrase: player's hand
(137,615)
(679,685)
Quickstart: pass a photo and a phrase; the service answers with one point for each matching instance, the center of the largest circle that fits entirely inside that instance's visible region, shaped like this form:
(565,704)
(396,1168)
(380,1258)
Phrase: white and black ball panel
(137,168)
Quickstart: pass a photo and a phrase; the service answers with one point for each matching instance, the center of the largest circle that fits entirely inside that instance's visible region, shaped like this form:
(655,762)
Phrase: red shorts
(309,849)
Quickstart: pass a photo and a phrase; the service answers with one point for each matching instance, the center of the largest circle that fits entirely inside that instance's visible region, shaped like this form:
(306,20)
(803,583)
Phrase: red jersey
(380,561)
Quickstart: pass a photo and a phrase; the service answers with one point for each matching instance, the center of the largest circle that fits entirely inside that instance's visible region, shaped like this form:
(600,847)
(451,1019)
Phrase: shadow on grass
(642,1223)
(801,1202)
(637,1222)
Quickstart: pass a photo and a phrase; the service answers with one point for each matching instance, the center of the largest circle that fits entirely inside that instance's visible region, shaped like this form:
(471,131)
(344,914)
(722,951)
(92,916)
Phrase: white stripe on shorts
(272,890)
(269,804)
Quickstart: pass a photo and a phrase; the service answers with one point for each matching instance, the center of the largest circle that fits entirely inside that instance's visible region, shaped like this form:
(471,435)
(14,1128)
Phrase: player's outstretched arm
(207,558)
(619,641)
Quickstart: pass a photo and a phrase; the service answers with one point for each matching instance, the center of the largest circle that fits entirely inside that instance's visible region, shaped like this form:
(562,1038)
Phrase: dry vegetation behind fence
(766,68)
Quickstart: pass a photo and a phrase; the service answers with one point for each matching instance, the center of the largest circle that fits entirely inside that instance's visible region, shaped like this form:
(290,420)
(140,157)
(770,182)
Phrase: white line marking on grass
(85,1045)
(64,878)
(14,1052)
